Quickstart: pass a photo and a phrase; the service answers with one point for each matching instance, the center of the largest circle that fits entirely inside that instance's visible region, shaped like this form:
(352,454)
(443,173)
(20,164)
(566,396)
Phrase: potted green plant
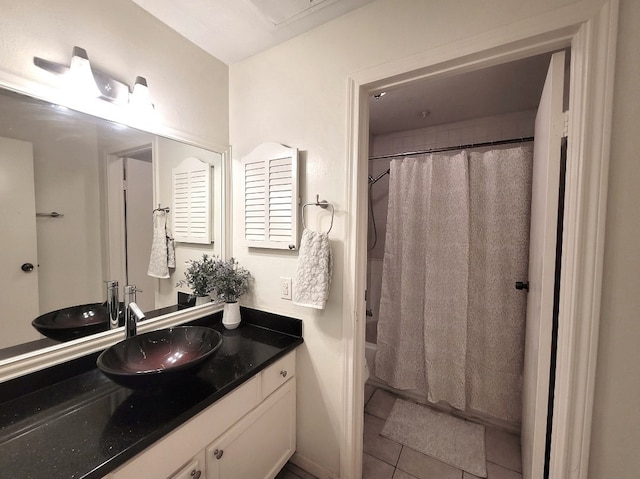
(228,283)
(198,276)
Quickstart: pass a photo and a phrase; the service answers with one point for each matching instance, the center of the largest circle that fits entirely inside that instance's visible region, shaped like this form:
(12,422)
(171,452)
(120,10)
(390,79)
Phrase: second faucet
(132,312)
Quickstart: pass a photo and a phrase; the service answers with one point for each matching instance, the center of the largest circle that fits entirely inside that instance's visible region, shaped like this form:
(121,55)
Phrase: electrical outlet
(285,288)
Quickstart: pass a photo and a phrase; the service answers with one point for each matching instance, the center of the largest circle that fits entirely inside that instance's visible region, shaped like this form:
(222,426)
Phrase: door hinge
(565,128)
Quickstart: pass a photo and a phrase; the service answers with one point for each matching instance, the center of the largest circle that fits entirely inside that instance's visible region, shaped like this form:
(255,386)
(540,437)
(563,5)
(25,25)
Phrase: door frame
(590,30)
(114,227)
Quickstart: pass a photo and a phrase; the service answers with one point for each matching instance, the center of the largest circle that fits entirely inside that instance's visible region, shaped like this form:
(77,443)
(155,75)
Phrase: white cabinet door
(193,470)
(261,443)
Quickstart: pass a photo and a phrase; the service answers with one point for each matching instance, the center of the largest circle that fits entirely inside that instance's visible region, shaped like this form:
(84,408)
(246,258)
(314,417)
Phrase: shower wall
(493,128)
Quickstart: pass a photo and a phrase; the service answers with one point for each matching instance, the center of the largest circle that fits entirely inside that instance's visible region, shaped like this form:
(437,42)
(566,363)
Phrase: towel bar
(53,214)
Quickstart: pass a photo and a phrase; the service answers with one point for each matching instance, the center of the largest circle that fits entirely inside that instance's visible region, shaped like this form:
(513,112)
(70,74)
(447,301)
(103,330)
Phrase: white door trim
(114,226)
(590,28)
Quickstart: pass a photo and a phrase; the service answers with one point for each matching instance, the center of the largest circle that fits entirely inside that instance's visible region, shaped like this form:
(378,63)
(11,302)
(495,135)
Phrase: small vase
(203,300)
(231,315)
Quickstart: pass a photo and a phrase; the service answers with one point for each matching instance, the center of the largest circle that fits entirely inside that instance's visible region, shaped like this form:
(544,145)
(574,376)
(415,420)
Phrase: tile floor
(291,471)
(386,459)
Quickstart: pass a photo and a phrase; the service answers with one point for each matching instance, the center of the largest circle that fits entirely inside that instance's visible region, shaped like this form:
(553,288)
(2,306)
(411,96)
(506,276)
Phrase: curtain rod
(453,148)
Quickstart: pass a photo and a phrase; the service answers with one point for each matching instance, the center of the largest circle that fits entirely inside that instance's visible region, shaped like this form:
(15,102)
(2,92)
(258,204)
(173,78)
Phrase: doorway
(589,127)
(416,124)
(130,191)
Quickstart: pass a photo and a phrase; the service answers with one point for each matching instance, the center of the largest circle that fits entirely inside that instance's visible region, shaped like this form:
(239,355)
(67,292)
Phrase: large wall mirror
(78,194)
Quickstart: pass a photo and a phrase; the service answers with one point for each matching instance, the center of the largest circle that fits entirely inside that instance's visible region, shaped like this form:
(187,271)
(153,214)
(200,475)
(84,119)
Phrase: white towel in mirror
(163,255)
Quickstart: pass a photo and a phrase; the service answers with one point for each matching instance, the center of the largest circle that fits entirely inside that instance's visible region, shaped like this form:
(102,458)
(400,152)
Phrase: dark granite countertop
(83,425)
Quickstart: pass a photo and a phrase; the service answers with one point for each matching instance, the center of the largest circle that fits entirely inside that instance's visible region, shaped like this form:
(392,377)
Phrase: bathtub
(374,286)
(370,356)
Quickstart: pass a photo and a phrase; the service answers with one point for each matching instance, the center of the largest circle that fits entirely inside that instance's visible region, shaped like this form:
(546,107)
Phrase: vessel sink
(159,358)
(73,322)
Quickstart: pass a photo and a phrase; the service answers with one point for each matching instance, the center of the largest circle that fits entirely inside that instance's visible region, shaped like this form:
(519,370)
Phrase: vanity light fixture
(92,83)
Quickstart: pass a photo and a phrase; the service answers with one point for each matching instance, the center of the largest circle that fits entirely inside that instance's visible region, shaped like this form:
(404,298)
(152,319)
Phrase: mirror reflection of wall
(98,177)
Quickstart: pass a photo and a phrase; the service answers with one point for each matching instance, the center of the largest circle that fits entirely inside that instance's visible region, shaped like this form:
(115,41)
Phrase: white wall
(616,428)
(296,94)
(66,180)
(188,87)
(69,248)
(169,154)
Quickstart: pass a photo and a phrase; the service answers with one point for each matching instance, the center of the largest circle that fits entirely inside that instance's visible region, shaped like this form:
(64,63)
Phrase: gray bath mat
(453,441)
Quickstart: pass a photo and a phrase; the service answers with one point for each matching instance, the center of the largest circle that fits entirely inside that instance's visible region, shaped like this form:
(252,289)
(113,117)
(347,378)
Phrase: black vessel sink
(73,322)
(159,358)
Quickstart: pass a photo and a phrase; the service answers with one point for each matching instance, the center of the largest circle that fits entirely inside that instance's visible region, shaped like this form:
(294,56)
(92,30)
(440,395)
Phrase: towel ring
(165,209)
(322,204)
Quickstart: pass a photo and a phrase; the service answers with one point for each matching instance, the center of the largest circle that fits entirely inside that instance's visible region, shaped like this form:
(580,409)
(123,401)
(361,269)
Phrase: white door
(139,229)
(542,254)
(18,243)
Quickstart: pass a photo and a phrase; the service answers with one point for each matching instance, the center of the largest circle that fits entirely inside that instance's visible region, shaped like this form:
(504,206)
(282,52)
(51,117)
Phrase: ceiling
(232,30)
(506,88)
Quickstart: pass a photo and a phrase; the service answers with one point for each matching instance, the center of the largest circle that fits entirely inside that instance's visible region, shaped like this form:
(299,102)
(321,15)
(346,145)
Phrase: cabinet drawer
(193,470)
(279,372)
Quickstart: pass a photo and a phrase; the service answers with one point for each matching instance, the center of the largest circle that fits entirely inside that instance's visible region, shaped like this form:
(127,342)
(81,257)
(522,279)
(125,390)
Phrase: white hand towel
(162,252)
(171,252)
(171,246)
(313,277)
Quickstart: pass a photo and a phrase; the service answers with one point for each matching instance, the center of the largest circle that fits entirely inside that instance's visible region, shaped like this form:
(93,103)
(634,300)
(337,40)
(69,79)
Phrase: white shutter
(271,197)
(192,201)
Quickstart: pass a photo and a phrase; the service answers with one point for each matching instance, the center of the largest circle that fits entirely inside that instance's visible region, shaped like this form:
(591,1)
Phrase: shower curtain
(451,323)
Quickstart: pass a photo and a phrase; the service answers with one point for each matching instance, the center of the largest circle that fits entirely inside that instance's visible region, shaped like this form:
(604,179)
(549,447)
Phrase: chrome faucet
(113,306)
(132,312)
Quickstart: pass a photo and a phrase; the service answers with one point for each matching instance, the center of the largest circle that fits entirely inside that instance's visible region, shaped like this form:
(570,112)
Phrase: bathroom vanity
(249,433)
(235,418)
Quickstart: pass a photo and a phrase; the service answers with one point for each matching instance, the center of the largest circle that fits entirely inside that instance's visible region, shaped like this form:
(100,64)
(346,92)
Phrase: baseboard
(312,468)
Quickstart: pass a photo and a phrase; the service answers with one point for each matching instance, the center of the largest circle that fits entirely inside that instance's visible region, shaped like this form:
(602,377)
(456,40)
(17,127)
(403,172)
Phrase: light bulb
(139,97)
(81,78)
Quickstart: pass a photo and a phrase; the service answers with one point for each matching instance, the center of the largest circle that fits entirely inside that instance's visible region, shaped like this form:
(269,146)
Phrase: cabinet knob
(218,453)
(196,474)
(283,374)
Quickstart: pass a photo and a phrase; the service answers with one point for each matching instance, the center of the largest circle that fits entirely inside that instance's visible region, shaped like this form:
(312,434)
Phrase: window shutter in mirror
(192,201)
(271,197)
